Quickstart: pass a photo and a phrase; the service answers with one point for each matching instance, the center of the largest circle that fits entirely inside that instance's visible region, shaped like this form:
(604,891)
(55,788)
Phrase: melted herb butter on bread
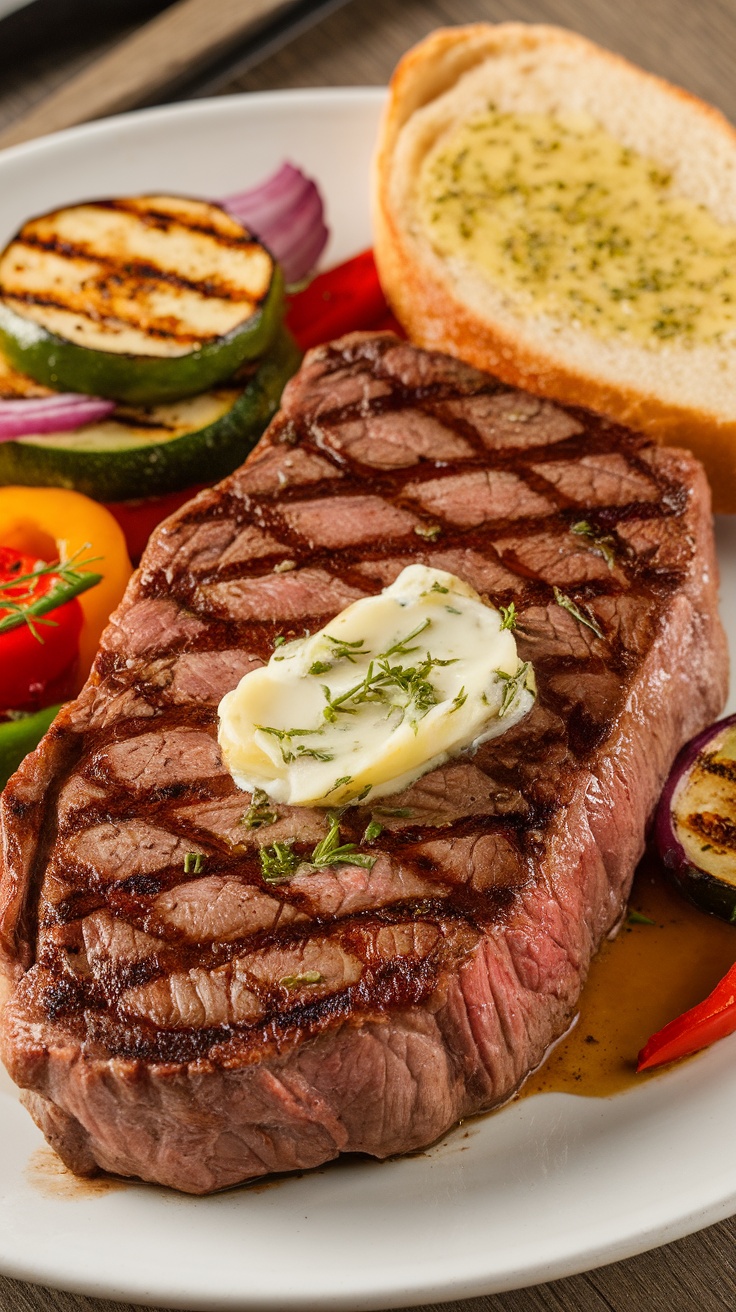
(389,689)
(575,225)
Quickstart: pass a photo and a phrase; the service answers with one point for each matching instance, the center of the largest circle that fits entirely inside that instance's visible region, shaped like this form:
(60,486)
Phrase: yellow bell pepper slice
(53,524)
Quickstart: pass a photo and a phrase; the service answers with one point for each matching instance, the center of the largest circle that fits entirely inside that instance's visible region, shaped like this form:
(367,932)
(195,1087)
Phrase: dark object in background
(87,71)
(42,23)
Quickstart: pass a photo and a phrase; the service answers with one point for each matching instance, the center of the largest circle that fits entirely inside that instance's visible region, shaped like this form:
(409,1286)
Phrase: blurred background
(46,44)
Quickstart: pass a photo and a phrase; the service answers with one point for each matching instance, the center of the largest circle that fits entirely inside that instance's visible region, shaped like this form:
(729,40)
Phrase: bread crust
(434,315)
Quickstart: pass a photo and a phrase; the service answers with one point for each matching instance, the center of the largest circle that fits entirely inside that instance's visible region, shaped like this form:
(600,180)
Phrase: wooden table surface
(692,42)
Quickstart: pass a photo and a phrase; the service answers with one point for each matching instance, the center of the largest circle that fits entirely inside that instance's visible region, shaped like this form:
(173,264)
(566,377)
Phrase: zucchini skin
(138,379)
(19,737)
(705,891)
(203,456)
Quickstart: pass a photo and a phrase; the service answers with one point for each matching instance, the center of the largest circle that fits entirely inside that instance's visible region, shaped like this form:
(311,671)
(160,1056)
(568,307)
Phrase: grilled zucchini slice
(142,299)
(147,451)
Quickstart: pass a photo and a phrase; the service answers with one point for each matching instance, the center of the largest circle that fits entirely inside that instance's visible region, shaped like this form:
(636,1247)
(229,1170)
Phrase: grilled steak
(186,1022)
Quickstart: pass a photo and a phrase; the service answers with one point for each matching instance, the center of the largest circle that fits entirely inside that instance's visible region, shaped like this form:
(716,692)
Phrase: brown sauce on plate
(638,982)
(46,1173)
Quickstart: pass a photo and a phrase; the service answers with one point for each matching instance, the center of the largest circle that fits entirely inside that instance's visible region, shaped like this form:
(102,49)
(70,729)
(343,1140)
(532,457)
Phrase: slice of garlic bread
(546,210)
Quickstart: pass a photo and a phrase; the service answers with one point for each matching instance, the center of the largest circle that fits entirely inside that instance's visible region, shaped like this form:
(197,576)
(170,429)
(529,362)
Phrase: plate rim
(206,106)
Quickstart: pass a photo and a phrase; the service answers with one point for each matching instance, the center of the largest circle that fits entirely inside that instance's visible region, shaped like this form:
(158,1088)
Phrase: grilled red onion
(287,213)
(712,889)
(24,416)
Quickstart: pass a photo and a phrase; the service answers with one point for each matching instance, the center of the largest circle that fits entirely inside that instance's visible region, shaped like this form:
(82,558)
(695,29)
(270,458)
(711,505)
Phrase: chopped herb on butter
(347,651)
(396,684)
(508,616)
(288,751)
(513,685)
(459,700)
(341,782)
(320,667)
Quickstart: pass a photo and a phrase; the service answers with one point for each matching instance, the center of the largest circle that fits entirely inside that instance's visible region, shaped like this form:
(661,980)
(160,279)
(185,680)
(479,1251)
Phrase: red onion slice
(287,213)
(25,416)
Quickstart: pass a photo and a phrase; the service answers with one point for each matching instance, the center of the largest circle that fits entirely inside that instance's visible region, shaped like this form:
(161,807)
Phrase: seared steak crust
(158,1016)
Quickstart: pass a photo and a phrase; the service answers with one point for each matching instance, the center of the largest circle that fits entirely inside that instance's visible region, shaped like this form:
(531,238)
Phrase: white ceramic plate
(547,1187)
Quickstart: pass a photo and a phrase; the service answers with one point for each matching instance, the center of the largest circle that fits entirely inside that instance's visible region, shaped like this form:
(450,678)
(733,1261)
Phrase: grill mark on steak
(461,852)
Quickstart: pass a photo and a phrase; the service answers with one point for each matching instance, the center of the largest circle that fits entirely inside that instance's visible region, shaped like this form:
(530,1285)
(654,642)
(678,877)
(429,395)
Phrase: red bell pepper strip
(713,1019)
(345,299)
(34,657)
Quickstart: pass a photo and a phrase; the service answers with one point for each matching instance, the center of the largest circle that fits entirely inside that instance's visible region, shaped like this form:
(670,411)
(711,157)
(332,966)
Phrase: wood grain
(152,59)
(693,45)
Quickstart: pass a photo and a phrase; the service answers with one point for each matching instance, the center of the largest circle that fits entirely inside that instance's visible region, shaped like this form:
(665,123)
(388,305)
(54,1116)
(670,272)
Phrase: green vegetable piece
(19,736)
(514,683)
(330,852)
(258,813)
(373,831)
(602,542)
(583,618)
(137,379)
(114,461)
(224,300)
(279,862)
(306,977)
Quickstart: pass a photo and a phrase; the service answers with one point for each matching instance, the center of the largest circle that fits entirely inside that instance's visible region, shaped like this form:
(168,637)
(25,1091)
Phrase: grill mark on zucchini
(137,421)
(717,829)
(131,321)
(134,270)
(723,769)
(165,221)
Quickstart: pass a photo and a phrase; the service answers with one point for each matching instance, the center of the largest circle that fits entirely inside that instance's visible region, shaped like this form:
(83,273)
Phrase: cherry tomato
(35,661)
